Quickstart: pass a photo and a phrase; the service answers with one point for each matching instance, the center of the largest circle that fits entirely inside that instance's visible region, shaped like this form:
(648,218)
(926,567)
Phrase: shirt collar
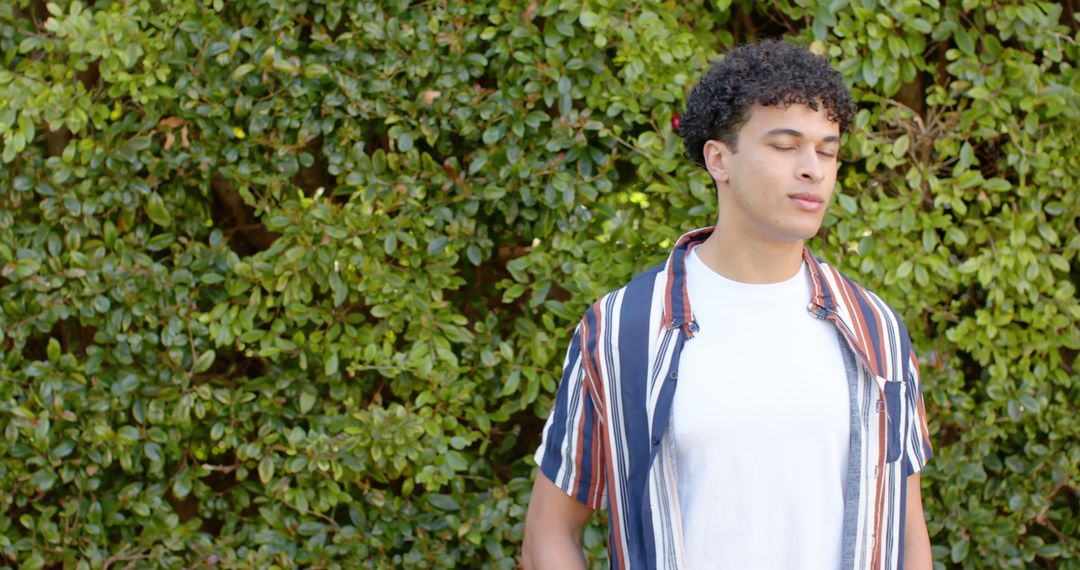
(677,310)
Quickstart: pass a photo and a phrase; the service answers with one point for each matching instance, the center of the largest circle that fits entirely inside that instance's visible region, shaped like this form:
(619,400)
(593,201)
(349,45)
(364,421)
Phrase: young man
(745,405)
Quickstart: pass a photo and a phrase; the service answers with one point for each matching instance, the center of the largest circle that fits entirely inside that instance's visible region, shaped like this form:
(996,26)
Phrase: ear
(717,160)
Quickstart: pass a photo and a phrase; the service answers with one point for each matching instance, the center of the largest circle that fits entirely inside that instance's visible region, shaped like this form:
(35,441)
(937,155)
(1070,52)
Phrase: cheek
(764,174)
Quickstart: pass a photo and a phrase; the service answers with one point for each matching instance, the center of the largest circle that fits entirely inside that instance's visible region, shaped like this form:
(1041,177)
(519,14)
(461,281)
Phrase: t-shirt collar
(677,309)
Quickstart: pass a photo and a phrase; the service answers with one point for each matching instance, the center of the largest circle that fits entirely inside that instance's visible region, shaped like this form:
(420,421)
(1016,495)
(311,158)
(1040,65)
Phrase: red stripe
(586,362)
(667,292)
(615,517)
(592,373)
(601,456)
(815,277)
(599,441)
(857,321)
(578,455)
(883,369)
(686,307)
(597,476)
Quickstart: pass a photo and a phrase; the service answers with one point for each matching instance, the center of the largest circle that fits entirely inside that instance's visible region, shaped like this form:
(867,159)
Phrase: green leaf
(53,350)
(182,485)
(331,366)
(964,41)
(314,70)
(241,71)
(904,269)
(957,236)
(512,382)
(959,549)
(44,479)
(456,461)
(443,502)
(900,146)
(848,203)
(997,185)
(102,304)
(63,450)
(473,253)
(920,25)
(405,141)
(152,451)
(156,210)
(969,266)
(161,241)
(127,434)
(513,292)
(589,19)
(266,469)
(437,245)
(307,401)
(205,361)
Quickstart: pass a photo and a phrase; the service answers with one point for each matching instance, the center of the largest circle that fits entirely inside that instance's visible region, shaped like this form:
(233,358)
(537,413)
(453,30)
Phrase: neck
(748,260)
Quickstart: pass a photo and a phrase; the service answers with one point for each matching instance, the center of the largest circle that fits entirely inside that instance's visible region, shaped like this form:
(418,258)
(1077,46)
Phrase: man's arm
(553,526)
(917,554)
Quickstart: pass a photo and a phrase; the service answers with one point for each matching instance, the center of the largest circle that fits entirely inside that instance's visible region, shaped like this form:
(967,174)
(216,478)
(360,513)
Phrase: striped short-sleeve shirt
(607,441)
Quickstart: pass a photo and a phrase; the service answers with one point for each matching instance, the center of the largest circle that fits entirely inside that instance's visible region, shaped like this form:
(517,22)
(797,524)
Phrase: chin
(799,234)
(805,231)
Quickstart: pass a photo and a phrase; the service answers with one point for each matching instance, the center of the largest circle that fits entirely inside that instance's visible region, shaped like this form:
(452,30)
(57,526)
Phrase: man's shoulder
(633,299)
(646,279)
(854,296)
(883,329)
(643,285)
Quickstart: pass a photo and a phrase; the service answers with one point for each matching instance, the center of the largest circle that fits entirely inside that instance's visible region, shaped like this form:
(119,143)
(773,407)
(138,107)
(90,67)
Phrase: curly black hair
(768,72)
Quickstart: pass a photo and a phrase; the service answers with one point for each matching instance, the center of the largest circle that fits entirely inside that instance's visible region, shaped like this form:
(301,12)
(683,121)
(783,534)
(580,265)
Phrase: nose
(810,168)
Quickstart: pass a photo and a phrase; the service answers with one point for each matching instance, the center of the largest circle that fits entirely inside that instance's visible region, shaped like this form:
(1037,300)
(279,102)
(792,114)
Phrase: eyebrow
(797,134)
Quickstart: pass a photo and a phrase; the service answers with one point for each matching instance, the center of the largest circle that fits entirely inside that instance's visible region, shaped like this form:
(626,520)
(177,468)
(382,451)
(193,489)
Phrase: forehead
(813,124)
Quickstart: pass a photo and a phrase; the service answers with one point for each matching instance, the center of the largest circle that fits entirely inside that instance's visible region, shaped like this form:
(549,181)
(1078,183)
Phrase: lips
(807,202)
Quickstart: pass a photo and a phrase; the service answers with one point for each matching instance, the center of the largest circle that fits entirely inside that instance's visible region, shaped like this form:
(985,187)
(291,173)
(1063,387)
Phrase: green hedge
(290,283)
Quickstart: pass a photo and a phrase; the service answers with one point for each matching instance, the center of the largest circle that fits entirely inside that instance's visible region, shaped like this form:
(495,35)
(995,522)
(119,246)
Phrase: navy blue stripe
(905,345)
(870,317)
(614,404)
(654,373)
(553,453)
(667,396)
(677,276)
(899,545)
(678,279)
(587,444)
(649,535)
(613,561)
(634,376)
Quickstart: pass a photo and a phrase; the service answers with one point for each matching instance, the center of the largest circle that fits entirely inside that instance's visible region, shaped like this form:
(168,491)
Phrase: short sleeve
(571,454)
(917,449)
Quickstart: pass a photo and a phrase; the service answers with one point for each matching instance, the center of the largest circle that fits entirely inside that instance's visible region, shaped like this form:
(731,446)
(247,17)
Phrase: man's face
(777,185)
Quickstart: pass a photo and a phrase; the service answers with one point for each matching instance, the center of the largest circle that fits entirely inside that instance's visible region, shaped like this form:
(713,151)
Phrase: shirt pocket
(894,406)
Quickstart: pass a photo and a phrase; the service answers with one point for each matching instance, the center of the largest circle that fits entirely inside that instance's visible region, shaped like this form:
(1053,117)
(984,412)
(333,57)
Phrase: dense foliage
(290,283)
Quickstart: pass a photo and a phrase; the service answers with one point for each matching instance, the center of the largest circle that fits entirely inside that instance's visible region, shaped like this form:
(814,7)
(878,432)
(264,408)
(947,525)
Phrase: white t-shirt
(761,427)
